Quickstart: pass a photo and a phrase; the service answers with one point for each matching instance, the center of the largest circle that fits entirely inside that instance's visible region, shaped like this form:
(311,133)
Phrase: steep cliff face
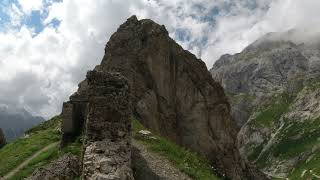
(173,94)
(273,86)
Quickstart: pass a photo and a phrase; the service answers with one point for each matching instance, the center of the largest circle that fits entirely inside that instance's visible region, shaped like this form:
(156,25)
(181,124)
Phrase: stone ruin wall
(102,110)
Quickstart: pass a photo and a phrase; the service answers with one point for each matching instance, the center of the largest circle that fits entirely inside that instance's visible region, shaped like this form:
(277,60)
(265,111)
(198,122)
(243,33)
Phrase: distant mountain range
(274,89)
(15,121)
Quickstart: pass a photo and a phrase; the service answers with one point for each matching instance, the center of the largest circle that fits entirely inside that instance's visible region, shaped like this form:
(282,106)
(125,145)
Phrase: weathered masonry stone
(107,143)
(74,114)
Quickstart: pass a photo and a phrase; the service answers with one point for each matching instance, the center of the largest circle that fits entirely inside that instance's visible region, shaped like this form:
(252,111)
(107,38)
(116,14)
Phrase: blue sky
(33,20)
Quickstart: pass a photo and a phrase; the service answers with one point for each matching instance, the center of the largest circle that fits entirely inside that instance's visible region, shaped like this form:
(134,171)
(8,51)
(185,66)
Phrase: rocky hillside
(274,89)
(15,121)
(34,144)
(172,93)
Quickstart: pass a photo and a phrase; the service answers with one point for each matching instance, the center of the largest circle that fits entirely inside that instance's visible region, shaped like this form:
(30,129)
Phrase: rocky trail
(27,161)
(158,166)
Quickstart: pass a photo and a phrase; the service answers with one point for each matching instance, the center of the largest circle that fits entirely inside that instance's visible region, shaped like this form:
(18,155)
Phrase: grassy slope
(47,157)
(46,133)
(307,169)
(38,137)
(294,138)
(190,163)
(271,114)
(41,160)
(268,117)
(16,152)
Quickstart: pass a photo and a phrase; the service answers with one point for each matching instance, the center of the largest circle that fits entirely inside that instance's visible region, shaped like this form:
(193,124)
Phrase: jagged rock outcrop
(172,94)
(2,139)
(258,72)
(273,86)
(64,168)
(107,153)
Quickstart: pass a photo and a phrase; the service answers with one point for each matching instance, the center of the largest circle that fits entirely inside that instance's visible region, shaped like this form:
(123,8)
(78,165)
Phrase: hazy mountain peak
(15,120)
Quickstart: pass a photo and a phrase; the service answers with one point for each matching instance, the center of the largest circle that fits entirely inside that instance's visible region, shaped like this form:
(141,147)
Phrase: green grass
(290,145)
(269,116)
(39,136)
(47,157)
(313,164)
(16,152)
(53,123)
(41,160)
(271,113)
(188,162)
(294,139)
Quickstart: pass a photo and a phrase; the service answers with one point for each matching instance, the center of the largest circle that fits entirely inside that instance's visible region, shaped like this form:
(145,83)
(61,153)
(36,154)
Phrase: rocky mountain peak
(134,34)
(147,26)
(172,94)
(268,85)
(14,121)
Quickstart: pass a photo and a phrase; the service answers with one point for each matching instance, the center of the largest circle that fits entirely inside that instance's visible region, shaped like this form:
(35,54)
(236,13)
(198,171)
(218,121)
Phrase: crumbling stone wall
(74,114)
(107,143)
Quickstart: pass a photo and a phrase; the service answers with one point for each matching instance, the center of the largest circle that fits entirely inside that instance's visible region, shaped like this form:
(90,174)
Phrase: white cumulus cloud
(31,5)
